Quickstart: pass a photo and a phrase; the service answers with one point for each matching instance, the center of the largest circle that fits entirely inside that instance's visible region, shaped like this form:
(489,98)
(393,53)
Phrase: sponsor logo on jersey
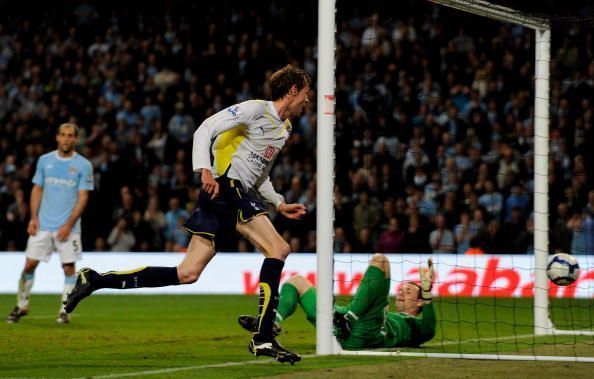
(257,160)
(234,111)
(269,152)
(60,182)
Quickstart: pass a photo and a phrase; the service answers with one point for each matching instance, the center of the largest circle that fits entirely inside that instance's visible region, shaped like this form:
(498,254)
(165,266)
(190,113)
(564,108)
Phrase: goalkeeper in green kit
(365,322)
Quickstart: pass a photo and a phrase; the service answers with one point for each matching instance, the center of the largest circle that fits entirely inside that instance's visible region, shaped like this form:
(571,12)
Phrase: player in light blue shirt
(60,193)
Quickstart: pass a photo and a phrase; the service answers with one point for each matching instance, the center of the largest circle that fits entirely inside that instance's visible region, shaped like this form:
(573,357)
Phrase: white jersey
(243,141)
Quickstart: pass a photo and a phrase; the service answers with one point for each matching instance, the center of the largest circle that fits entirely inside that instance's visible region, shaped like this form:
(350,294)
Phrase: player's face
(407,300)
(300,100)
(66,140)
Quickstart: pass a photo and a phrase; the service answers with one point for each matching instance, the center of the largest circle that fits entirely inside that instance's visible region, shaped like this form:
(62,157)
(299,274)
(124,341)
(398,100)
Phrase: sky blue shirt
(61,179)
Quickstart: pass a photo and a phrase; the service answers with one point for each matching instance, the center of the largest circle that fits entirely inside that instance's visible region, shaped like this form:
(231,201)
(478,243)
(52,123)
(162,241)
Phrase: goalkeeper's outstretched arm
(426,322)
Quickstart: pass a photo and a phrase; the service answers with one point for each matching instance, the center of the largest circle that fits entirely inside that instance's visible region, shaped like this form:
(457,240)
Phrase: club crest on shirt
(234,111)
(72,170)
(269,152)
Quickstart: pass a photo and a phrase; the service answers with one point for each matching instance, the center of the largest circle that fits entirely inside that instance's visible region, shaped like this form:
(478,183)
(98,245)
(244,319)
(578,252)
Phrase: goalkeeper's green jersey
(404,330)
(383,329)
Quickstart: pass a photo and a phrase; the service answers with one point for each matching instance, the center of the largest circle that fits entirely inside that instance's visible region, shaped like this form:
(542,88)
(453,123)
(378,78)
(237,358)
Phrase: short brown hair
(68,125)
(282,80)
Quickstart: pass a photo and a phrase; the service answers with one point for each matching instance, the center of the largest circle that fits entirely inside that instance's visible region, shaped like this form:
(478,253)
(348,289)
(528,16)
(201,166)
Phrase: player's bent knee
(280,250)
(187,277)
(295,279)
(379,260)
(30,267)
(301,283)
(285,250)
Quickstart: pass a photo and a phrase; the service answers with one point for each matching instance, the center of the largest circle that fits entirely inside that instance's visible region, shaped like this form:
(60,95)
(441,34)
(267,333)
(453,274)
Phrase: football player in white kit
(233,151)
(61,185)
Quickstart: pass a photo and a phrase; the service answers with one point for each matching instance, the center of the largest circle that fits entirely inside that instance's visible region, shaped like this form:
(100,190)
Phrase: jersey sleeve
(238,115)
(39,176)
(87,180)
(266,190)
(426,324)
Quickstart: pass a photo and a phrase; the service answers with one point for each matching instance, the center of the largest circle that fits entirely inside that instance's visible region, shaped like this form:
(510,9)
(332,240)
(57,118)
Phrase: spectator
(172,222)
(494,241)
(491,200)
(142,233)
(517,198)
(151,113)
(339,240)
(363,243)
(390,240)
(416,239)
(156,221)
(100,245)
(463,233)
(365,214)
(582,227)
(561,235)
(121,237)
(514,232)
(181,128)
(441,239)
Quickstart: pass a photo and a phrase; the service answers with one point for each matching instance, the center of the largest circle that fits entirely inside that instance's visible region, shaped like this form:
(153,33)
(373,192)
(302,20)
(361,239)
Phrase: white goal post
(325,342)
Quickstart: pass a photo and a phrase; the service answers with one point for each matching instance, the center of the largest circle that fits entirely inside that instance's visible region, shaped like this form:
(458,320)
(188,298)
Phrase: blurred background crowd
(434,120)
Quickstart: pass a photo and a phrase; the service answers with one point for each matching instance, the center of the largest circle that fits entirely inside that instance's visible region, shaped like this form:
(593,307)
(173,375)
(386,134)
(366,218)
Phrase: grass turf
(154,336)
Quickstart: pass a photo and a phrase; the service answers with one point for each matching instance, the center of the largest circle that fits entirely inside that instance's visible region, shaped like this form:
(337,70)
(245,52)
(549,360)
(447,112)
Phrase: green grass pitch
(185,336)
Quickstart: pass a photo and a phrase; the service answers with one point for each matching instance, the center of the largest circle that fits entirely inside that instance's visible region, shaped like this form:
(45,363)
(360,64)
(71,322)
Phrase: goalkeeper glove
(342,325)
(427,276)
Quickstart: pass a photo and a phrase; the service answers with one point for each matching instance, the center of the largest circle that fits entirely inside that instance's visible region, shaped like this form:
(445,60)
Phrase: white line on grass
(492,339)
(185,368)
(36,317)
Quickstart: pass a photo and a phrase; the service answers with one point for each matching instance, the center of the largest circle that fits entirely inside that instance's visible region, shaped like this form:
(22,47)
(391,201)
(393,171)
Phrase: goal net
(462,135)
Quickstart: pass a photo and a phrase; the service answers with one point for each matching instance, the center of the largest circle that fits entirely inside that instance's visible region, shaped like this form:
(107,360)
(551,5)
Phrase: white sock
(25,285)
(69,282)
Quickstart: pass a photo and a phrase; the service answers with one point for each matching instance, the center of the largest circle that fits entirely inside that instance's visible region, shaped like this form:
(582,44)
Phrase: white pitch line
(185,368)
(521,336)
(36,317)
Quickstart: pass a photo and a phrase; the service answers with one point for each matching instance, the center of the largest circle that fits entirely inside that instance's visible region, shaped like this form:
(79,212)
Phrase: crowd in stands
(434,122)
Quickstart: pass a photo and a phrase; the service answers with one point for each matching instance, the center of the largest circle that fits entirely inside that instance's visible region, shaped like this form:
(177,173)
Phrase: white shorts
(41,246)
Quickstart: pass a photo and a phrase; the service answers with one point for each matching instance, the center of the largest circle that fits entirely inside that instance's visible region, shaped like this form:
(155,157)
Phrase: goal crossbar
(497,12)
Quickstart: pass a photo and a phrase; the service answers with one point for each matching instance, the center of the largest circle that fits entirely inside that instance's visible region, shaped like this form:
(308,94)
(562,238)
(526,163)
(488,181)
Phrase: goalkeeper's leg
(297,290)
(290,296)
(200,252)
(373,288)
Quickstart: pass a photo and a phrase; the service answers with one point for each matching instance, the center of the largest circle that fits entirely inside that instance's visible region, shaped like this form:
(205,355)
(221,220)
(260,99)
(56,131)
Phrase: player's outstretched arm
(427,322)
(427,277)
(292,211)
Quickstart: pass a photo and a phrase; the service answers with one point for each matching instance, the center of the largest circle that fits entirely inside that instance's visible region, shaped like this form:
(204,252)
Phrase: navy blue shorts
(215,219)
